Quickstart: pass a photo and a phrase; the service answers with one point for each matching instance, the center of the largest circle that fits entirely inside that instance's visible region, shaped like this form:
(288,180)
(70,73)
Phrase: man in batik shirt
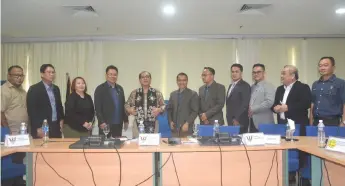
(145,103)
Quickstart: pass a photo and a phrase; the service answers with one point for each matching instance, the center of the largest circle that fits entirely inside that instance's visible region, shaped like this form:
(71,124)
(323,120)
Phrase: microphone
(249,123)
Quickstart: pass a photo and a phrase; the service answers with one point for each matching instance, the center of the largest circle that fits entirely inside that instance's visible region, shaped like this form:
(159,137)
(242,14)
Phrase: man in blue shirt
(44,102)
(328,96)
(109,104)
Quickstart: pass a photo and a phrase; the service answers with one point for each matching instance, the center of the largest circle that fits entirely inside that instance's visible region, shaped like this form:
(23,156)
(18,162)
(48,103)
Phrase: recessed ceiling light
(169,10)
(340,11)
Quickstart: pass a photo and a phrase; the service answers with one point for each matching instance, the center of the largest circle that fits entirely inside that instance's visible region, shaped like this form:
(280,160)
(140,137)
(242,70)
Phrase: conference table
(56,164)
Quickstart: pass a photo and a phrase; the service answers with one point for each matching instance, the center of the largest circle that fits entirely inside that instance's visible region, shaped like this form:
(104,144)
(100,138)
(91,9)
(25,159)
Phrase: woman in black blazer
(79,110)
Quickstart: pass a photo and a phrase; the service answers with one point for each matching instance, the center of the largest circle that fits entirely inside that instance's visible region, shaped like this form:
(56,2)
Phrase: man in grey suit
(211,98)
(182,108)
(237,99)
(262,99)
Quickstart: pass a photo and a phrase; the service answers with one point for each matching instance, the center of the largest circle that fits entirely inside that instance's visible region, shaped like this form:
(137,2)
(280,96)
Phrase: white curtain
(165,59)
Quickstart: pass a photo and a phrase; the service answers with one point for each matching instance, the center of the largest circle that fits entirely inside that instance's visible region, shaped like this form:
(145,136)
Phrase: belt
(328,117)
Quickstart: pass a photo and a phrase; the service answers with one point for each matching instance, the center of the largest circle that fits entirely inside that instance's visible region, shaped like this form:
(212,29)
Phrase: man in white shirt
(292,99)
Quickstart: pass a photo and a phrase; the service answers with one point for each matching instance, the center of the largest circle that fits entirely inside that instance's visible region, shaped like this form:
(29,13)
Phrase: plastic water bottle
(216,129)
(45,130)
(321,138)
(141,127)
(196,130)
(23,129)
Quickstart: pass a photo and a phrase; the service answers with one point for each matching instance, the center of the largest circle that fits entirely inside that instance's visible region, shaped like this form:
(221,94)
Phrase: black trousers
(54,130)
(115,130)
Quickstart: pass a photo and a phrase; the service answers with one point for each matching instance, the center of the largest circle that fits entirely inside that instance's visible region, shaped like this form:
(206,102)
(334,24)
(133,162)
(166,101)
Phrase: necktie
(206,92)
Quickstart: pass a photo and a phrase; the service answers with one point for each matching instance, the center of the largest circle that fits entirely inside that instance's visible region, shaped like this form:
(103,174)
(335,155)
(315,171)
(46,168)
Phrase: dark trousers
(17,181)
(328,121)
(115,130)
(54,130)
(252,128)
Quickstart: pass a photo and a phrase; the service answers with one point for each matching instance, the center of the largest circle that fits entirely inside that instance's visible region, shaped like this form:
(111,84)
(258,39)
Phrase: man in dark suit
(109,104)
(44,102)
(292,99)
(237,99)
(183,108)
(211,98)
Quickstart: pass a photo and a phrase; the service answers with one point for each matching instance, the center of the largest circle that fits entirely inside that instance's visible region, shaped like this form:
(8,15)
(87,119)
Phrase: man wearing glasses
(44,102)
(211,99)
(261,100)
(145,103)
(13,104)
(109,104)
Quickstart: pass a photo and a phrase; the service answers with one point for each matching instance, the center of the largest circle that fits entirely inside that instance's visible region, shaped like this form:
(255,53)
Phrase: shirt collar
(110,85)
(234,83)
(47,86)
(208,86)
(181,90)
(289,86)
(332,78)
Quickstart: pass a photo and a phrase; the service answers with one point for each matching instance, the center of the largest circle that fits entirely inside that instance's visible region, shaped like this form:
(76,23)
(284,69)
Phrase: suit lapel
(291,92)
(45,94)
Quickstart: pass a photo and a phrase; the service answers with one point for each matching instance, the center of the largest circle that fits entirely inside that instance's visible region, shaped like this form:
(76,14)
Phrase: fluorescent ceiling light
(340,11)
(169,10)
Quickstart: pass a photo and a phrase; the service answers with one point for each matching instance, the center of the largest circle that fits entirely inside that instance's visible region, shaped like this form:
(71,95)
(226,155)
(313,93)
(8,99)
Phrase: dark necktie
(206,92)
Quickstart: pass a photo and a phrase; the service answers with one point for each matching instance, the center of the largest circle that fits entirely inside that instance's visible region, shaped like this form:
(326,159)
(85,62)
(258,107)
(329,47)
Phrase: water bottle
(23,129)
(216,129)
(321,138)
(45,130)
(288,133)
(141,127)
(196,130)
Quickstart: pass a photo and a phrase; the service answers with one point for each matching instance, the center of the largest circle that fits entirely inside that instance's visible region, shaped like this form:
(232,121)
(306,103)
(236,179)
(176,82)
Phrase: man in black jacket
(44,102)
(237,100)
(292,99)
(109,104)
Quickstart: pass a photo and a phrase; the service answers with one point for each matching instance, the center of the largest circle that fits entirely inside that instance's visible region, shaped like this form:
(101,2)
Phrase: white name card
(149,139)
(17,140)
(250,139)
(272,139)
(336,144)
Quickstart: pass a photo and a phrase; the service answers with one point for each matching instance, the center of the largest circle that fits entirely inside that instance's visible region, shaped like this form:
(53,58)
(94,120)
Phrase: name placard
(251,139)
(272,139)
(336,144)
(149,139)
(17,140)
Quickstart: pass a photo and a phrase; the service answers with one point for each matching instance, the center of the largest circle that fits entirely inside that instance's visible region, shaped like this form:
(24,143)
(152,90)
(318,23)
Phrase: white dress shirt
(286,94)
(232,87)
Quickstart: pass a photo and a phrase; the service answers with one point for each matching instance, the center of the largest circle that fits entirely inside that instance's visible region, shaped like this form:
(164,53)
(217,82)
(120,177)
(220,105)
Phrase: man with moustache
(182,108)
(237,99)
(211,99)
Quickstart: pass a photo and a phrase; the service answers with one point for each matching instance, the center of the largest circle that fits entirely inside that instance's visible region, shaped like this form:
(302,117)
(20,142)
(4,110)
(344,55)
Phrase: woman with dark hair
(79,110)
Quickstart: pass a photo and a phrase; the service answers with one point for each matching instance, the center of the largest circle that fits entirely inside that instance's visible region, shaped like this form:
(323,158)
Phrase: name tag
(149,139)
(251,139)
(17,140)
(272,139)
(336,144)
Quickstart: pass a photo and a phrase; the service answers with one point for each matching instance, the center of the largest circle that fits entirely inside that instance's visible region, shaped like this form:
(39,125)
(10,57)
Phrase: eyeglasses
(17,76)
(50,72)
(143,77)
(256,72)
(111,75)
